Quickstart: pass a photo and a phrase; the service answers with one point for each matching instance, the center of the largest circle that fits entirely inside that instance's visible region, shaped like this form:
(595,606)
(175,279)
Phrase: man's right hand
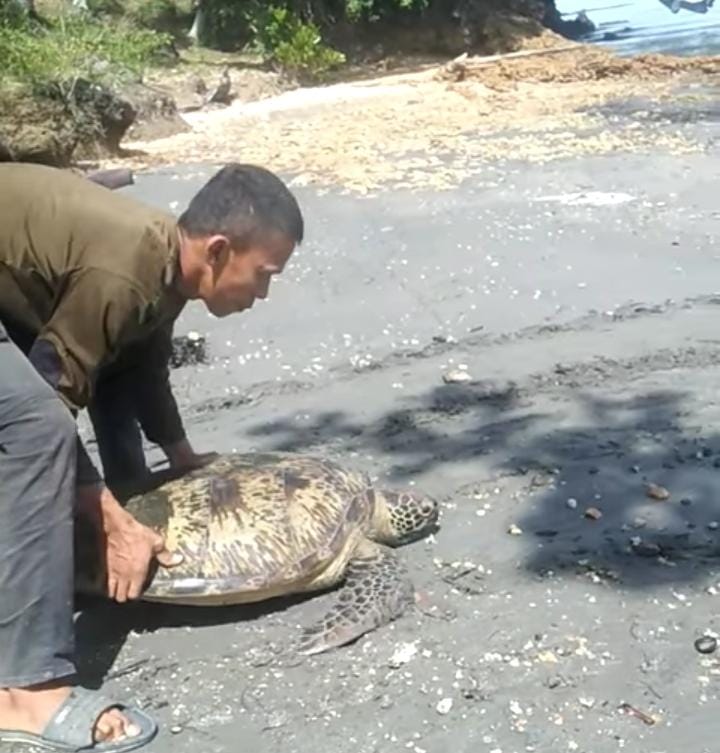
(130,547)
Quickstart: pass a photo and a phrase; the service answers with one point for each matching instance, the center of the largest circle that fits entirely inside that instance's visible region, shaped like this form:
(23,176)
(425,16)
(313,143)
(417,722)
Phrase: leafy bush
(73,46)
(297,46)
(13,14)
(375,9)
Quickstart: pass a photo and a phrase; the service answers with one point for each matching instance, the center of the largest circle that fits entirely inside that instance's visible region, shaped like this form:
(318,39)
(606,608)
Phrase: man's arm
(155,403)
(89,325)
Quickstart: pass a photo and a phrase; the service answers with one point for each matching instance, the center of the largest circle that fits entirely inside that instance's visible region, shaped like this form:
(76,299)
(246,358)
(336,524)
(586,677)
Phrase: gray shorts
(37,487)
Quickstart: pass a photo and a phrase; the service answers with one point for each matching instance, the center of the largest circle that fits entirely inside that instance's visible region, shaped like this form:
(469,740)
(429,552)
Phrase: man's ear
(216,250)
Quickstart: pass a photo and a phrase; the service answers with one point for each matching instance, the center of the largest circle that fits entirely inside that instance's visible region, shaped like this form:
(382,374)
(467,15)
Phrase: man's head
(238,231)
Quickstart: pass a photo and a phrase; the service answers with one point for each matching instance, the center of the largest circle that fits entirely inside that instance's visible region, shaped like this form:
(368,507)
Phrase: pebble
(713,525)
(593,513)
(514,530)
(402,655)
(644,549)
(706,644)
(686,501)
(572,503)
(444,706)
(457,376)
(659,493)
(176,730)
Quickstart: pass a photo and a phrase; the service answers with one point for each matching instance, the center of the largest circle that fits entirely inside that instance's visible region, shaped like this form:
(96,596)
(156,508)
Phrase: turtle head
(402,517)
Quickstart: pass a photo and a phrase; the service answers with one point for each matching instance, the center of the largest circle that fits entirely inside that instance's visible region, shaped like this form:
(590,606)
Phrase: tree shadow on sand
(412,439)
(584,451)
(611,463)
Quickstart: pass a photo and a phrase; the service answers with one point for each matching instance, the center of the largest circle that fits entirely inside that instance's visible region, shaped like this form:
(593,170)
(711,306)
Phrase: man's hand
(182,456)
(130,547)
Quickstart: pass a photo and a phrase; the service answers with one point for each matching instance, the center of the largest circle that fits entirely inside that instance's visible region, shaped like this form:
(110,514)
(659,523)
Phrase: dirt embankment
(428,128)
(44,127)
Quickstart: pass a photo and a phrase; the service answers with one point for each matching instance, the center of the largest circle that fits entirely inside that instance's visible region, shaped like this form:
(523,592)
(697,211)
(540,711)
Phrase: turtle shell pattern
(251,526)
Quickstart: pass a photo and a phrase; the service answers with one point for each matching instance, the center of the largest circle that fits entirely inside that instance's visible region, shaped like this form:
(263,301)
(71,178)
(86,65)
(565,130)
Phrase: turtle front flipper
(376,591)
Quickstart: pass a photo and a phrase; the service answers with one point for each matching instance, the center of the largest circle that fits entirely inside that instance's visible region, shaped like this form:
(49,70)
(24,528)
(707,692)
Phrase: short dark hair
(241,202)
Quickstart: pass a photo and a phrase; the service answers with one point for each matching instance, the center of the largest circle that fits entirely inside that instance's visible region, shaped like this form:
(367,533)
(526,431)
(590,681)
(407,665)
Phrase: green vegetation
(73,72)
(279,35)
(71,46)
(55,39)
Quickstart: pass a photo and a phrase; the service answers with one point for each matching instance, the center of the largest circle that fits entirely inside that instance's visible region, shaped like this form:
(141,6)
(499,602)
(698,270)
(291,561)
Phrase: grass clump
(295,45)
(72,46)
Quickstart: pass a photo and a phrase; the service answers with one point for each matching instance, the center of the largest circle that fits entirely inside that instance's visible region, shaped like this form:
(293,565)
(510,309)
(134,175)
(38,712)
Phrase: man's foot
(30,709)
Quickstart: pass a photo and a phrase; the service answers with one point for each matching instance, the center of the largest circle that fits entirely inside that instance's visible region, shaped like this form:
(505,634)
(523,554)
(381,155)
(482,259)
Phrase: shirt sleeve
(96,314)
(156,407)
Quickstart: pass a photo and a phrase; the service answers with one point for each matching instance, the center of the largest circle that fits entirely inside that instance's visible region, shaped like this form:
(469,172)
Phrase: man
(90,283)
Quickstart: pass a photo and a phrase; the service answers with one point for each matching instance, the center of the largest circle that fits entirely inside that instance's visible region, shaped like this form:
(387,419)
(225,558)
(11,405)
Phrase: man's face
(238,277)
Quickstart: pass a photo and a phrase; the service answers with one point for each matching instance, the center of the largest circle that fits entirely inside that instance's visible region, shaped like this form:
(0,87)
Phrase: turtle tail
(375,592)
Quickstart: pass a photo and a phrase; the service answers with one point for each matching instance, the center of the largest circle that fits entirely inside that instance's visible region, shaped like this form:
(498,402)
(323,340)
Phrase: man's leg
(37,487)
(37,479)
(117,433)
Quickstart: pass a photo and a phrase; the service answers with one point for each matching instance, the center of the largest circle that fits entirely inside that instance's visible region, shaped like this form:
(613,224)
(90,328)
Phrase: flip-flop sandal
(71,728)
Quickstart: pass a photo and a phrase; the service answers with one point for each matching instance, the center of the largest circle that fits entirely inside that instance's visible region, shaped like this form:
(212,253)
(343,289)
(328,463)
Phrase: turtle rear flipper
(376,591)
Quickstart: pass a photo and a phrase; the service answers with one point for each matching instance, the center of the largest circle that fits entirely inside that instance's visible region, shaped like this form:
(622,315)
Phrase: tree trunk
(196,31)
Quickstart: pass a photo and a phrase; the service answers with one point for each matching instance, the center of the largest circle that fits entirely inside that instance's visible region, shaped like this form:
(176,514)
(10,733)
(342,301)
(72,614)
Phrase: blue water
(648,26)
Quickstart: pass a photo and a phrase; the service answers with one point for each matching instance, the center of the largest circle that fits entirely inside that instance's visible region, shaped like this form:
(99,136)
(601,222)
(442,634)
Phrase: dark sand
(591,334)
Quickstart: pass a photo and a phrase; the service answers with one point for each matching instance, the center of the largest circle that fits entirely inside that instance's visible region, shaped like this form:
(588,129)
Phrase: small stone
(444,706)
(686,501)
(635,469)
(593,513)
(572,503)
(514,530)
(706,644)
(402,655)
(188,350)
(639,523)
(588,703)
(457,376)
(713,525)
(176,729)
(656,492)
(645,549)
(547,657)
(386,702)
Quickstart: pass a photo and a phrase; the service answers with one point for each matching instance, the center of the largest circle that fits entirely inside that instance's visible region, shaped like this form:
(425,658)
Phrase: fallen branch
(488,59)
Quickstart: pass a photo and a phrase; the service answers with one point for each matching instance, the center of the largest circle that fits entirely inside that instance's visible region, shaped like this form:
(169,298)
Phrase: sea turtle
(255,526)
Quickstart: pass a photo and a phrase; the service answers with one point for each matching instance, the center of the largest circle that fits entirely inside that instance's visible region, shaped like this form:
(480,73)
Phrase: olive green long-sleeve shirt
(86,282)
